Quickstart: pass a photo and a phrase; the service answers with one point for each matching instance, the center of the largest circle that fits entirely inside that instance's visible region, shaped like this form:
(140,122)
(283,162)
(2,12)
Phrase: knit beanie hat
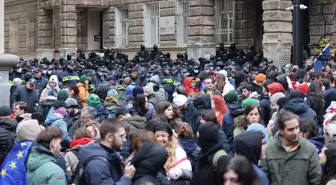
(258,127)
(28,130)
(62,95)
(137,90)
(231,97)
(38,116)
(179,99)
(250,101)
(5,111)
(163,127)
(113,93)
(260,78)
(83,78)
(93,100)
(71,103)
(296,94)
(303,88)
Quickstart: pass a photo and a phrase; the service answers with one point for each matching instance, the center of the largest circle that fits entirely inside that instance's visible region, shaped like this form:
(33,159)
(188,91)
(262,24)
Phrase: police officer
(70,77)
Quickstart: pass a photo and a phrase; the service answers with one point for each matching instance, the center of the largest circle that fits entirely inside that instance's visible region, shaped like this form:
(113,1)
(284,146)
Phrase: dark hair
(282,101)
(181,90)
(22,106)
(246,175)
(82,132)
(329,169)
(185,132)
(283,117)
(139,138)
(251,107)
(139,104)
(308,125)
(315,90)
(210,116)
(46,136)
(247,87)
(75,89)
(160,111)
(109,126)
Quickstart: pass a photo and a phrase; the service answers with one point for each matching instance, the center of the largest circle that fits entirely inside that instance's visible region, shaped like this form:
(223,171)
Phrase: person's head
(122,113)
(208,136)
(112,134)
(334,75)
(51,139)
(308,63)
(164,111)
(209,116)
(246,90)
(127,81)
(37,72)
(19,108)
(180,101)
(193,83)
(134,73)
(208,84)
(71,106)
(92,127)
(328,160)
(260,78)
(252,114)
(82,132)
(73,90)
(308,128)
(140,104)
(185,132)
(88,114)
(240,171)
(181,90)
(231,97)
(31,84)
(164,134)
(289,129)
(330,132)
(139,138)
(319,78)
(84,79)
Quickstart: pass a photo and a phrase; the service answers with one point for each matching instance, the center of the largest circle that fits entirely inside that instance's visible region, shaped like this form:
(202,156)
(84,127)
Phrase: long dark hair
(329,170)
(160,111)
(246,175)
(248,109)
(139,104)
(314,89)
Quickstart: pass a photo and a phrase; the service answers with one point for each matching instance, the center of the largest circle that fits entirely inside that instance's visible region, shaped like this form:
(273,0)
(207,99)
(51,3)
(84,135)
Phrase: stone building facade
(196,26)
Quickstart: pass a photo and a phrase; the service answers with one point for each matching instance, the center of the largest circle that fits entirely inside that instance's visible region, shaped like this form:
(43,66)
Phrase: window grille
(224,21)
(182,21)
(152,18)
(121,27)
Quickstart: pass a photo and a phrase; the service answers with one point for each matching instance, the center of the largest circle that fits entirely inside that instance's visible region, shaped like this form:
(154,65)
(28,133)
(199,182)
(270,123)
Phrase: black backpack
(78,176)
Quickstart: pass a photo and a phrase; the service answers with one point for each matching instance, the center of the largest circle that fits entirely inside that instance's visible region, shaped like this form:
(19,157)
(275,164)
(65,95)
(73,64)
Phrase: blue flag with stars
(13,169)
(319,64)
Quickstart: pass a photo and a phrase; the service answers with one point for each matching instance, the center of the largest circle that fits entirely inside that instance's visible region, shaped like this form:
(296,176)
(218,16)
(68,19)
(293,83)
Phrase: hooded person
(250,144)
(52,88)
(190,85)
(94,101)
(275,87)
(274,106)
(202,103)
(112,102)
(211,151)
(28,130)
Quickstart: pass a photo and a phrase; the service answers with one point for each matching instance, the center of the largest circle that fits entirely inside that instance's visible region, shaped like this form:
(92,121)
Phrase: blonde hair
(171,148)
(94,125)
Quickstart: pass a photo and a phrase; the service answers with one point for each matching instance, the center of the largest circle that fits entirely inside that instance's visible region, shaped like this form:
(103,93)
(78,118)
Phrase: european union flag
(13,169)
(325,55)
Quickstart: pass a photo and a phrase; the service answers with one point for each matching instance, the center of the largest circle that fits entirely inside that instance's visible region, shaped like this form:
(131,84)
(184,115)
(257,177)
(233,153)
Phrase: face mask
(196,71)
(19,70)
(49,72)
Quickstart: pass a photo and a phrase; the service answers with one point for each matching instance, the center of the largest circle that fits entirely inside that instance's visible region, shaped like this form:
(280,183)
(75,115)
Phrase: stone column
(277,39)
(2,26)
(44,33)
(201,29)
(7,61)
(109,21)
(244,24)
(68,28)
(136,25)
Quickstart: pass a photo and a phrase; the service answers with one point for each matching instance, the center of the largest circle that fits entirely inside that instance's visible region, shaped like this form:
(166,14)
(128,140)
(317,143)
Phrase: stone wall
(20,29)
(317,28)
(82,28)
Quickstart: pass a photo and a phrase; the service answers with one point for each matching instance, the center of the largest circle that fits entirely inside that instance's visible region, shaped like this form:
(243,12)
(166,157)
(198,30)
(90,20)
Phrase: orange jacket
(83,92)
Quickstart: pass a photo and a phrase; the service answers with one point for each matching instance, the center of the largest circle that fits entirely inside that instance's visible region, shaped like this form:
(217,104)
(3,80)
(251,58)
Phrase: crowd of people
(232,119)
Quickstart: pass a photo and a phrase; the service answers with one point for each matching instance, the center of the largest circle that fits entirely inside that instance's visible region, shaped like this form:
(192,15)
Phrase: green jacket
(300,167)
(42,169)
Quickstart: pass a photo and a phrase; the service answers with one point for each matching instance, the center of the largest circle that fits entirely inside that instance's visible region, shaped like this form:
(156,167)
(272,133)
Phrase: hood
(26,116)
(189,145)
(51,118)
(9,124)
(318,142)
(80,84)
(258,127)
(248,144)
(92,149)
(53,78)
(203,101)
(236,109)
(102,111)
(129,90)
(275,88)
(137,121)
(296,105)
(48,102)
(38,157)
(187,85)
(150,87)
(81,141)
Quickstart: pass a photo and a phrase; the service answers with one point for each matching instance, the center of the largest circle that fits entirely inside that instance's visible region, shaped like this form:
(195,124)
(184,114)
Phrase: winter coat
(70,157)
(102,114)
(30,97)
(316,104)
(99,171)
(79,101)
(329,96)
(298,107)
(112,107)
(301,166)
(149,160)
(188,112)
(71,121)
(318,142)
(223,140)
(202,103)
(57,118)
(7,136)
(69,77)
(83,92)
(42,168)
(45,93)
(228,126)
(192,151)
(248,144)
(187,85)
(265,107)
(45,105)
(135,123)
(41,84)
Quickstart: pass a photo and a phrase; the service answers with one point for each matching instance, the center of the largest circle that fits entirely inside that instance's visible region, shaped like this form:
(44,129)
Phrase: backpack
(216,157)
(78,177)
(239,123)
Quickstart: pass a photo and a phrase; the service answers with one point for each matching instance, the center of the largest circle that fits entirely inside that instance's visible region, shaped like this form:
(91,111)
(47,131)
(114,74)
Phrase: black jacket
(149,160)
(41,84)
(7,137)
(265,106)
(202,103)
(30,97)
(316,104)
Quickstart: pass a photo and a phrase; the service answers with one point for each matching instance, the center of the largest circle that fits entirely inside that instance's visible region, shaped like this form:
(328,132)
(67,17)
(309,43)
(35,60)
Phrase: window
(121,27)
(224,21)
(181,21)
(152,18)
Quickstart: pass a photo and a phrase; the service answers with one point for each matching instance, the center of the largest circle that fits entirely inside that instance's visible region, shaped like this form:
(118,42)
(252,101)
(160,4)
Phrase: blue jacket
(99,171)
(262,176)
(41,84)
(188,112)
(70,77)
(298,107)
(329,96)
(58,120)
(22,94)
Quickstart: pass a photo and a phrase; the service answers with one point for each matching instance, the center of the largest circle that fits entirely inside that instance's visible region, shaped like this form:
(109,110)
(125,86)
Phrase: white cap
(179,100)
